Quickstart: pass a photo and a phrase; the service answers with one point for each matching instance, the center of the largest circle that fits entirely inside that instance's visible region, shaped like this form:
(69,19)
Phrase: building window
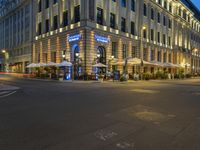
(124,51)
(123,3)
(145,10)
(134,53)
(123,24)
(55,1)
(39,28)
(164,57)
(132,28)
(77,14)
(169,41)
(39,6)
(152,35)
(133,5)
(164,39)
(158,37)
(46,3)
(165,4)
(170,57)
(99,16)
(164,20)
(184,14)
(158,17)
(145,52)
(159,56)
(144,33)
(152,55)
(114,49)
(160,2)
(179,12)
(65,18)
(169,24)
(91,9)
(152,14)
(47,25)
(112,20)
(55,22)
(170,8)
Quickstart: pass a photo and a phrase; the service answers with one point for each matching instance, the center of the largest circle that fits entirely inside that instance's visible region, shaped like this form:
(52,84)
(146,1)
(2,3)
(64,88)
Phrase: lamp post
(64,55)
(4,63)
(77,61)
(98,57)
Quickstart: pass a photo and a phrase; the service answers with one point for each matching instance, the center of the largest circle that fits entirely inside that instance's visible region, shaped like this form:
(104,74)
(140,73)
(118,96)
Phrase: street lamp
(98,55)
(77,54)
(5,56)
(64,55)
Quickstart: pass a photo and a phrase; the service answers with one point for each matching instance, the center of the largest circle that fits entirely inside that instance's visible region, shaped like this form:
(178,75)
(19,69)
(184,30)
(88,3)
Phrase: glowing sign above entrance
(74,38)
(101,39)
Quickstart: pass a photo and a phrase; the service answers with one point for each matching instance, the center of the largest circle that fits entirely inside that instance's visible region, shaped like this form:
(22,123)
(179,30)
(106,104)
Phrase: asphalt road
(154,115)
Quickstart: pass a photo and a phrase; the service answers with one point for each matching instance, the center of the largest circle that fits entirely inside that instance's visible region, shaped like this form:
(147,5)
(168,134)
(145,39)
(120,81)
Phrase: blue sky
(197,3)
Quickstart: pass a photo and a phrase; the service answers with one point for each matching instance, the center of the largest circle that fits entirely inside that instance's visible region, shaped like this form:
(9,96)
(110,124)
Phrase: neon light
(73,38)
(101,39)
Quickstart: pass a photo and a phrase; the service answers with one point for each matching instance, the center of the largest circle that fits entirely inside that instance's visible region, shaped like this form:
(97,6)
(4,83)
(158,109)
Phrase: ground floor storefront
(86,47)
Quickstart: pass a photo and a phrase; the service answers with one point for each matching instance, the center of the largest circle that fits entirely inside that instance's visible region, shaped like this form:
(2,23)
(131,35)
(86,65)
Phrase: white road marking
(6,95)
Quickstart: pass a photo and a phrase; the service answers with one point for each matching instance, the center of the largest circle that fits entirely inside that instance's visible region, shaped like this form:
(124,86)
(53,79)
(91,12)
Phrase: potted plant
(147,76)
(101,77)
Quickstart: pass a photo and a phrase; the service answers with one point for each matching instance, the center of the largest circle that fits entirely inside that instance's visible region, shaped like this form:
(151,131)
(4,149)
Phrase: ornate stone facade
(157,31)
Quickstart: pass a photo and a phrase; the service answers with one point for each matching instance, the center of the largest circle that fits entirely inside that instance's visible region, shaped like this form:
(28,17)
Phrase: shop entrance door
(102,58)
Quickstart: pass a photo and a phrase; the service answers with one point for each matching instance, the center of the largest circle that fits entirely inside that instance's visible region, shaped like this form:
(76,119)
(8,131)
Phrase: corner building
(164,31)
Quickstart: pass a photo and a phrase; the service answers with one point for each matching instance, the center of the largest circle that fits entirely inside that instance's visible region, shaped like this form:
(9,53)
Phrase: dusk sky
(197,3)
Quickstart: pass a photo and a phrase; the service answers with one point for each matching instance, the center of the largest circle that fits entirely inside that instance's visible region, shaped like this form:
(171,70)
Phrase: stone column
(49,50)
(109,54)
(41,53)
(58,52)
(67,53)
(34,54)
(120,67)
(130,67)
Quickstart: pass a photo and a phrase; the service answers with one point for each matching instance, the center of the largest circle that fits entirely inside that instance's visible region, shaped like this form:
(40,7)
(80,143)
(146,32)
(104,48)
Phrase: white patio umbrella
(157,63)
(170,65)
(134,61)
(99,65)
(40,65)
(65,64)
(32,65)
(51,64)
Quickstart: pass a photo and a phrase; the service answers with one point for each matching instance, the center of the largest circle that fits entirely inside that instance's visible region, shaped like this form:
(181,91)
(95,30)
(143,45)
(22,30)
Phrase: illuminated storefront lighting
(73,38)
(101,39)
